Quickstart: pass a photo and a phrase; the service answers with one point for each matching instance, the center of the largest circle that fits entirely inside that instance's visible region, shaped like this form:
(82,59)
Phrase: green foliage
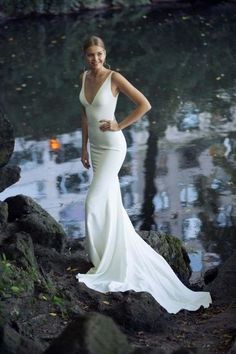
(18,282)
(14,280)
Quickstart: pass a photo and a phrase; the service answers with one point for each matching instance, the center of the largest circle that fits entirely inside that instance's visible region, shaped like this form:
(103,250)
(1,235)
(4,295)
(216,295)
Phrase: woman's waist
(98,137)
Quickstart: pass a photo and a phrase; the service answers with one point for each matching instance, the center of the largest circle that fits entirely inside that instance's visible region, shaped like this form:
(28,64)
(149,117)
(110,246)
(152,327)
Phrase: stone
(23,271)
(233,348)
(8,176)
(210,274)
(20,248)
(148,351)
(223,288)
(135,311)
(31,218)
(3,214)
(11,342)
(6,139)
(170,248)
(89,334)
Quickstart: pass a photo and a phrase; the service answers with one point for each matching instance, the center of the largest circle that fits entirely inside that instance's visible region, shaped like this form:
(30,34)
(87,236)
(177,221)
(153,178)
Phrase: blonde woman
(121,259)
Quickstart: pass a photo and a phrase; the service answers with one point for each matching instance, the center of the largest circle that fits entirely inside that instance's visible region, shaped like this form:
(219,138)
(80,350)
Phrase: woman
(122,259)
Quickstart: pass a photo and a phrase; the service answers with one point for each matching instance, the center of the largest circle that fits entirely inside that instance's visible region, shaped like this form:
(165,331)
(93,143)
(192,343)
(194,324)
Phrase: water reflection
(179,173)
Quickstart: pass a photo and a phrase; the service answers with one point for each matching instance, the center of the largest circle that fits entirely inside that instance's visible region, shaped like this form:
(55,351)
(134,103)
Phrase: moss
(14,281)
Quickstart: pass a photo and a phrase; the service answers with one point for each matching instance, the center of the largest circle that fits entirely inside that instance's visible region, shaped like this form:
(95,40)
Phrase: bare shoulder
(120,81)
(81,76)
(117,77)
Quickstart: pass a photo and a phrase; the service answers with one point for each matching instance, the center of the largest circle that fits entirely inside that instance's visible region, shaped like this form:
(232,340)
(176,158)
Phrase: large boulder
(90,334)
(223,288)
(31,218)
(135,311)
(11,342)
(3,214)
(22,272)
(8,176)
(6,139)
(19,248)
(172,250)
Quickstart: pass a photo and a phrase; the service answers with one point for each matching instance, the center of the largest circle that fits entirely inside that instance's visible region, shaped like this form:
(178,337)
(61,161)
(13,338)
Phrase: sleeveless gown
(122,259)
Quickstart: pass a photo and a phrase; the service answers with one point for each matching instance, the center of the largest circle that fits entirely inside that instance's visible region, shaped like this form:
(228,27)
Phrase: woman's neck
(97,72)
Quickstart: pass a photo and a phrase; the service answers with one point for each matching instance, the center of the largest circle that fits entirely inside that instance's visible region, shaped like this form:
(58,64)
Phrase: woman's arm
(85,154)
(143,105)
(84,129)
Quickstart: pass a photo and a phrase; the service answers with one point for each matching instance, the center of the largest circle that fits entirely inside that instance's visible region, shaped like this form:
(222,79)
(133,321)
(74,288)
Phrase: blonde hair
(93,40)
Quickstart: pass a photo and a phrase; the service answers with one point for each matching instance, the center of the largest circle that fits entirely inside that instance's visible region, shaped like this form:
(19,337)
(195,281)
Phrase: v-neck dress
(121,259)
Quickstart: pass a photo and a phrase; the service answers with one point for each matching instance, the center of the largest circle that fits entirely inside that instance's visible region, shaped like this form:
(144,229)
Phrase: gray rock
(148,351)
(34,220)
(8,176)
(90,334)
(6,139)
(186,351)
(3,214)
(12,342)
(135,311)
(233,348)
(223,288)
(172,250)
(19,247)
(210,274)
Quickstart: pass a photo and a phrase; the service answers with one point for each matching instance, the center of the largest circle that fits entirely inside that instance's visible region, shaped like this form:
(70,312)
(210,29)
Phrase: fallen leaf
(53,314)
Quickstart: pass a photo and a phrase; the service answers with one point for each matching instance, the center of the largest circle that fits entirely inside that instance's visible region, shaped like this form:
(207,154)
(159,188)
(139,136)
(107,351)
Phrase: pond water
(179,173)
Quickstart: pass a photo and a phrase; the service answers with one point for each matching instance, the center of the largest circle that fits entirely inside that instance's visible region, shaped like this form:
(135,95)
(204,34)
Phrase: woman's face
(95,56)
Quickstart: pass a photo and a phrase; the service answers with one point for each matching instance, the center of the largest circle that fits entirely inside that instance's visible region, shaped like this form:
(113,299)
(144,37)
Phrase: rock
(8,176)
(12,342)
(135,311)
(223,288)
(185,351)
(233,348)
(20,248)
(3,214)
(210,274)
(34,220)
(22,271)
(172,250)
(6,139)
(148,351)
(90,334)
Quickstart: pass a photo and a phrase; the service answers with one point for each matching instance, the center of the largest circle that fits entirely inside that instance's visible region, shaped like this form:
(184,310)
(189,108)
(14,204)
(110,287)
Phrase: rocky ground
(43,308)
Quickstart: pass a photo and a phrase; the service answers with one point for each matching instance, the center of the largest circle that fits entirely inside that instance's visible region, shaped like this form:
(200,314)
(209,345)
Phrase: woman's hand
(111,125)
(85,158)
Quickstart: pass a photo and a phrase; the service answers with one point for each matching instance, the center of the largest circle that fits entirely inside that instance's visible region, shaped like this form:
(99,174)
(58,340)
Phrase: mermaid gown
(122,259)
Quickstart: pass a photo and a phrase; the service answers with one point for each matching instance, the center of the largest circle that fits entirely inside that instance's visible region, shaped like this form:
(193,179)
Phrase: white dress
(122,259)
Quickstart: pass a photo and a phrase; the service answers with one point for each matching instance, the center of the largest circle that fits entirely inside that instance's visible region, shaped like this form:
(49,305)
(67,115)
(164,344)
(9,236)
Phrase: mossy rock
(170,248)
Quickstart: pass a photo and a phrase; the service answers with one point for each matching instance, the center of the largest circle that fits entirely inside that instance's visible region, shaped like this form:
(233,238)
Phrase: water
(179,174)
